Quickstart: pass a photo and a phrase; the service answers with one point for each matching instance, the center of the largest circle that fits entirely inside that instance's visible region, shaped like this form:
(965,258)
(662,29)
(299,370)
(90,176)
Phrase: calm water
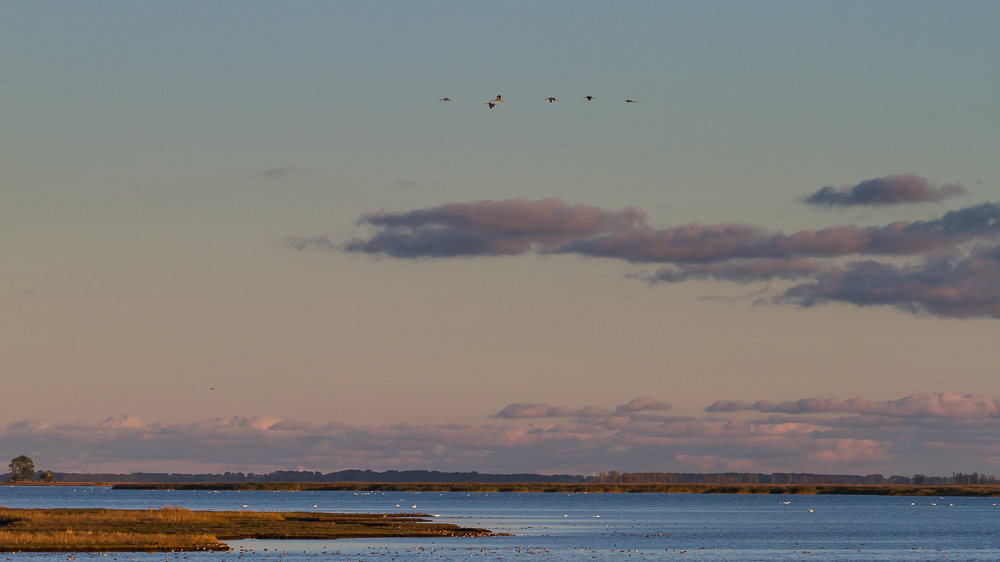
(583,527)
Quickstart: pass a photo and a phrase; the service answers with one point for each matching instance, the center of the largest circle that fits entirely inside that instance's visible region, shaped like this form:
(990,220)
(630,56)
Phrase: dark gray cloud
(745,271)
(545,217)
(644,404)
(949,279)
(887,190)
(981,220)
(963,288)
(440,243)
(697,243)
(488,228)
(516,226)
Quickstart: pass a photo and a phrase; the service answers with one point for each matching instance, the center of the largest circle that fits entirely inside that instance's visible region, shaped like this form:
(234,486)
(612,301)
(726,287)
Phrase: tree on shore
(46,476)
(21,468)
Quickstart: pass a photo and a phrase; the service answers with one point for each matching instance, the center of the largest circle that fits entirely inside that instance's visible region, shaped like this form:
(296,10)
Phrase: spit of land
(172,528)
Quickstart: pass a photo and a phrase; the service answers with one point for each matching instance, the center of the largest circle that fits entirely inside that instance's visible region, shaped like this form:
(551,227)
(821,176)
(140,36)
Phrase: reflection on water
(581,527)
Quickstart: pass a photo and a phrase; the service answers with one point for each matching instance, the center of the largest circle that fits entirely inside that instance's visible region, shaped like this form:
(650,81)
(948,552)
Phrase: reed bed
(101,541)
(167,515)
(173,528)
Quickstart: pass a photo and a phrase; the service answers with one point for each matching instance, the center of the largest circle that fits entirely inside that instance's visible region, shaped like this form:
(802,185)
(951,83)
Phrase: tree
(46,476)
(21,468)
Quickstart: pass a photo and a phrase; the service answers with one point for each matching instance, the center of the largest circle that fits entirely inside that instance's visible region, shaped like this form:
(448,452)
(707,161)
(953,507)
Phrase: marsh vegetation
(172,528)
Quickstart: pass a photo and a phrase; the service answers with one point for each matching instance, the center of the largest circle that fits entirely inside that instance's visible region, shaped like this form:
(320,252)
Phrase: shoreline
(982,490)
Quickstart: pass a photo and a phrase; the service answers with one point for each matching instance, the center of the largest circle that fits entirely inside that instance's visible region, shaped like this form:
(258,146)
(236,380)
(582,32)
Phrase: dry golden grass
(90,540)
(167,515)
(173,528)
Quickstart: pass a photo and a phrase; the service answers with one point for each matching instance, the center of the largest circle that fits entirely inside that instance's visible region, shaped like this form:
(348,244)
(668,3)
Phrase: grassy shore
(842,489)
(170,528)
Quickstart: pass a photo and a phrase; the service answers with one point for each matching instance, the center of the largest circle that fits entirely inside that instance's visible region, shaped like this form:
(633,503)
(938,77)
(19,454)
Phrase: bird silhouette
(551,99)
(630,101)
(445,99)
(492,104)
(589,98)
(498,98)
(212,387)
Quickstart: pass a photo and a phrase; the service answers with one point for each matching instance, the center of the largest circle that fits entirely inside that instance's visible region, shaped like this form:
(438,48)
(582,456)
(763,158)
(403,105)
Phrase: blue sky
(156,159)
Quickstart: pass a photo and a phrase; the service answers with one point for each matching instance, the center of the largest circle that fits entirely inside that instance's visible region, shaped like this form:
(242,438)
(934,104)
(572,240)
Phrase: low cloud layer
(956,272)
(887,190)
(928,432)
(923,405)
(518,411)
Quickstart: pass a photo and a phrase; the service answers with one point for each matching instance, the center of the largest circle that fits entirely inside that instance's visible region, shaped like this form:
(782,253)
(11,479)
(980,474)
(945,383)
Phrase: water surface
(583,527)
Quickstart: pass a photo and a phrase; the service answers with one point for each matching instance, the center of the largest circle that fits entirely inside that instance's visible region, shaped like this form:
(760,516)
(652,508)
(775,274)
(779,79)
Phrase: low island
(172,528)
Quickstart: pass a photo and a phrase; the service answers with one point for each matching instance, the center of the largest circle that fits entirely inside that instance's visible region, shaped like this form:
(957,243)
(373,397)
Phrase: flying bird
(445,99)
(212,387)
(630,101)
(551,99)
(589,98)
(492,104)
(498,98)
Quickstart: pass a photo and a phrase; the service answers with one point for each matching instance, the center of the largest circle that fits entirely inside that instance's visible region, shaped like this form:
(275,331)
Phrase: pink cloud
(926,432)
(846,450)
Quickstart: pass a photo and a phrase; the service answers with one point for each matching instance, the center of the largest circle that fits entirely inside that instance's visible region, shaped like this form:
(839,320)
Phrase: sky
(250,236)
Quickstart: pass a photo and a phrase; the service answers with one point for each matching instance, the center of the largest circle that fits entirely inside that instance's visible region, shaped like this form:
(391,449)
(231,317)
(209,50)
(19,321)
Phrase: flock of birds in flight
(493,103)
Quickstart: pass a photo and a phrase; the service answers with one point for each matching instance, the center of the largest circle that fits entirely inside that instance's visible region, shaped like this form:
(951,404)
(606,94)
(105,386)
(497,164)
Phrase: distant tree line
(614,477)
(22,469)
(309,476)
(973,479)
